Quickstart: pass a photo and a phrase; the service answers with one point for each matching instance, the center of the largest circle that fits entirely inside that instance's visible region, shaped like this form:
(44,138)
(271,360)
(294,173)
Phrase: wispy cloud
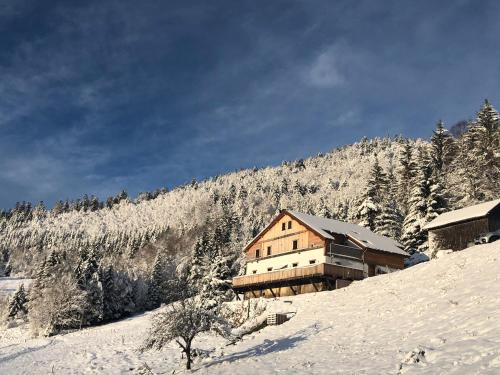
(325,70)
(100,96)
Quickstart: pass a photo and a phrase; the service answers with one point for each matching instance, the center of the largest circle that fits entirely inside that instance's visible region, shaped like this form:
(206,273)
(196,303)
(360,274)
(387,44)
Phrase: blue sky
(99,96)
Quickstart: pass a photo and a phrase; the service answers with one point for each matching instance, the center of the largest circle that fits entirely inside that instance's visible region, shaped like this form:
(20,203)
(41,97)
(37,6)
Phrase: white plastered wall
(301,257)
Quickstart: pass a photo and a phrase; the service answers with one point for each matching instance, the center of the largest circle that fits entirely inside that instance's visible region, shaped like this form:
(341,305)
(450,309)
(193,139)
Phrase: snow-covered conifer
(156,284)
(18,303)
(413,236)
(371,206)
(406,173)
(443,149)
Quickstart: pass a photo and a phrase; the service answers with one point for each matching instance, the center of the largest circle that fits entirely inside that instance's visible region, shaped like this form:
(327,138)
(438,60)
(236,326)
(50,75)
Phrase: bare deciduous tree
(180,322)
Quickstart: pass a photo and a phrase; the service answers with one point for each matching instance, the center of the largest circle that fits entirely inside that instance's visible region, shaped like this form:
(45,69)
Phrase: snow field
(439,317)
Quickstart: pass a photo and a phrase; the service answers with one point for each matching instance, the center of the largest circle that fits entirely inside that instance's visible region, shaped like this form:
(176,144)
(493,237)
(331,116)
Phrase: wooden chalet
(299,253)
(456,230)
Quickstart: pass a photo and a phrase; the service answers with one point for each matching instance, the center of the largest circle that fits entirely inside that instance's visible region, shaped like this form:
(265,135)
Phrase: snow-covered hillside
(440,317)
(335,180)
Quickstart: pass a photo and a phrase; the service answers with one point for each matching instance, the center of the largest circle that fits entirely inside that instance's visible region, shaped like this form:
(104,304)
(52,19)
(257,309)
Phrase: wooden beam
(314,286)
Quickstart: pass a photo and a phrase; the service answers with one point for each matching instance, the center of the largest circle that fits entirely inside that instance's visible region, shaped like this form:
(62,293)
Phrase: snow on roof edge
(463,214)
(357,232)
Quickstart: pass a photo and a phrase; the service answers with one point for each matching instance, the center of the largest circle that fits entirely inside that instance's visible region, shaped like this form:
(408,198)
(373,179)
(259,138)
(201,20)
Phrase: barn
(456,230)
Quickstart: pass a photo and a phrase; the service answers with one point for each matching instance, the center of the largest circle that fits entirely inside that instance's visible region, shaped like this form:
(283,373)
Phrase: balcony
(345,251)
(318,271)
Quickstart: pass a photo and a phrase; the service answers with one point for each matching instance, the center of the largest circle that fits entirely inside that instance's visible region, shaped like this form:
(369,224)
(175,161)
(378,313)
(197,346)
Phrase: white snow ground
(440,317)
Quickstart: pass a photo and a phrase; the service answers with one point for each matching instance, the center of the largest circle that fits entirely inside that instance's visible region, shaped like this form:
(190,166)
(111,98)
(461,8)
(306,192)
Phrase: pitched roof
(463,214)
(360,234)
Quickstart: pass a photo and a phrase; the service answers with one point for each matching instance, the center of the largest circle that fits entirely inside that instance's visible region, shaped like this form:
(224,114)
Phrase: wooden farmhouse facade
(456,230)
(299,253)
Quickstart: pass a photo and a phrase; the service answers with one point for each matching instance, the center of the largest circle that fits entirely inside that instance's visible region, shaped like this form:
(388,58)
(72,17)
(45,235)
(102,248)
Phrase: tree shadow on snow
(12,356)
(269,346)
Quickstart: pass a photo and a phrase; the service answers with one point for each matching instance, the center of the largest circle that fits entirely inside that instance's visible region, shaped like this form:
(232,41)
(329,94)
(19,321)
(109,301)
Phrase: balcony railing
(347,251)
(316,271)
(284,252)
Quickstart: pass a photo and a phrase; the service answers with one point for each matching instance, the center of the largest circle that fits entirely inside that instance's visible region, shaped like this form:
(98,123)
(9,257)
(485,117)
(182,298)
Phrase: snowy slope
(445,312)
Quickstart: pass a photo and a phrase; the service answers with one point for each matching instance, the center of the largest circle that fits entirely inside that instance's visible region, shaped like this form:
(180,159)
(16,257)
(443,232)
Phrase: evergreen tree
(487,149)
(406,173)
(58,208)
(18,303)
(156,284)
(47,270)
(199,261)
(442,145)
(108,289)
(478,161)
(371,206)
(390,220)
(216,283)
(94,203)
(466,166)
(39,212)
(323,210)
(118,299)
(414,237)
(437,202)
(87,275)
(122,196)
(85,203)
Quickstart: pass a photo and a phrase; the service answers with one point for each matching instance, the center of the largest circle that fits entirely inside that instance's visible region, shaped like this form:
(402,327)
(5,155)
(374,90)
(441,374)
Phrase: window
(257,253)
(254,271)
(312,261)
(295,264)
(269,269)
(283,226)
(295,244)
(269,250)
(289,225)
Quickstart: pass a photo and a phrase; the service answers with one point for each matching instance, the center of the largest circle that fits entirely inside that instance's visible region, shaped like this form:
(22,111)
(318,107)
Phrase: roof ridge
(467,212)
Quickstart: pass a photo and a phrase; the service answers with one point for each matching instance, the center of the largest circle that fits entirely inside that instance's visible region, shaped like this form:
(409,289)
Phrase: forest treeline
(108,259)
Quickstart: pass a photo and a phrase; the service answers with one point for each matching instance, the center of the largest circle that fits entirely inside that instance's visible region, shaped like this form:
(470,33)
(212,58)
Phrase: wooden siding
(494,219)
(457,236)
(288,290)
(319,270)
(281,241)
(369,256)
(384,259)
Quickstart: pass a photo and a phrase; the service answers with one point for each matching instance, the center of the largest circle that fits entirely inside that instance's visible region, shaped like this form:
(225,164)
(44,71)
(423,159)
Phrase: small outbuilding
(455,230)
